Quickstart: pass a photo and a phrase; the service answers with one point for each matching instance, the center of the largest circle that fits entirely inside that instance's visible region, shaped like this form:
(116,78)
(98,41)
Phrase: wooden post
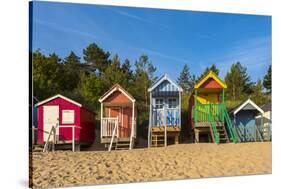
(195,108)
(101,116)
(196,136)
(73,139)
(179,108)
(54,138)
(165,123)
(150,121)
(133,126)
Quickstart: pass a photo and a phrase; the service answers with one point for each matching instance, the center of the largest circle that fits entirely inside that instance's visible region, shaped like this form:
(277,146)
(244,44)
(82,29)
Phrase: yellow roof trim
(211,74)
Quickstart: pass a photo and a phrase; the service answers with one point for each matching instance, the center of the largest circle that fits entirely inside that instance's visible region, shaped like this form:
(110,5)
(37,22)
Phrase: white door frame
(53,122)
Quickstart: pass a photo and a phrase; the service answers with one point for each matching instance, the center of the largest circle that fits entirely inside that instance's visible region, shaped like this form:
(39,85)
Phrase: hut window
(172,103)
(159,103)
(68,116)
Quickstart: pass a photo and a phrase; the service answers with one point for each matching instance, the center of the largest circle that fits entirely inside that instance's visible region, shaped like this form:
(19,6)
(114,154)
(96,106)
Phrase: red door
(114,113)
(127,121)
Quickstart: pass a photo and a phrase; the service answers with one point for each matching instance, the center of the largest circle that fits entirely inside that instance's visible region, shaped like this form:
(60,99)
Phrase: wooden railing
(107,126)
(114,134)
(214,113)
(52,133)
(166,116)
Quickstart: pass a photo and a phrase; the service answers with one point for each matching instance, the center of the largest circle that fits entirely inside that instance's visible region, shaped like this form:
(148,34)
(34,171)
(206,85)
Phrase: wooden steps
(222,133)
(122,145)
(157,140)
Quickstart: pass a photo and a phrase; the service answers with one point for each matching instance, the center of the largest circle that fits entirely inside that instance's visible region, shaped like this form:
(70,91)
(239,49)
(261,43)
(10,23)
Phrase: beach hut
(165,111)
(118,119)
(263,121)
(208,116)
(64,121)
(244,121)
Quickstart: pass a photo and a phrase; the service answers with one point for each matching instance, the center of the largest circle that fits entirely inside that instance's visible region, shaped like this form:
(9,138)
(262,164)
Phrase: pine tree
(96,58)
(258,96)
(213,68)
(238,82)
(184,78)
(267,80)
(72,68)
(192,82)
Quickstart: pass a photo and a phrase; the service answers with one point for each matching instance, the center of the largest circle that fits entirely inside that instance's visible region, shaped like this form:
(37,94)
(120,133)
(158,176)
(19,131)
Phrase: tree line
(86,80)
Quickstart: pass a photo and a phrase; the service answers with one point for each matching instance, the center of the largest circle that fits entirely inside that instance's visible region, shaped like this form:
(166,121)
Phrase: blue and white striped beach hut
(165,111)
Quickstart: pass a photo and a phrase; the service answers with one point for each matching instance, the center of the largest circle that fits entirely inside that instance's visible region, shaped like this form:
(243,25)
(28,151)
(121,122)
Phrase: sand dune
(182,161)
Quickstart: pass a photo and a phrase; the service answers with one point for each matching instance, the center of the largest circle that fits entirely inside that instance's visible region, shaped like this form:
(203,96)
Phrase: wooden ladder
(222,133)
(158,140)
(122,145)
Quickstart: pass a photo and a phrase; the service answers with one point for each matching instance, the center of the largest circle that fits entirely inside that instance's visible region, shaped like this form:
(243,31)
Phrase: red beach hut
(73,123)
(118,118)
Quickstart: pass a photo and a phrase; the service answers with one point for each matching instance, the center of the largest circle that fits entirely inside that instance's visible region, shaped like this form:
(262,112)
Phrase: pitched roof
(114,88)
(160,80)
(266,107)
(212,75)
(58,96)
(245,105)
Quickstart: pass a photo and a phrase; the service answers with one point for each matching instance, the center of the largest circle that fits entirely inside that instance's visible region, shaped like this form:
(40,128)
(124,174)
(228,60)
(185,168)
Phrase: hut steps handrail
(214,127)
(233,133)
(52,132)
(113,135)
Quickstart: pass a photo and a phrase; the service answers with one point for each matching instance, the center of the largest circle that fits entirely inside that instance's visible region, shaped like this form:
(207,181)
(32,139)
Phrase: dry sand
(65,168)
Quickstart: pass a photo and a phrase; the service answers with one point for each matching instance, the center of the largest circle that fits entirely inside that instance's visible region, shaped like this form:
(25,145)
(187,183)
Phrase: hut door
(116,112)
(50,118)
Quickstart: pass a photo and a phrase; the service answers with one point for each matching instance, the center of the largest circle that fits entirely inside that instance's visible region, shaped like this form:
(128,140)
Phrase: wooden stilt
(177,139)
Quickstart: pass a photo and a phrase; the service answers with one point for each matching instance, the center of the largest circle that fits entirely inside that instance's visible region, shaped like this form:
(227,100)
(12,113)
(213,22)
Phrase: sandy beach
(182,161)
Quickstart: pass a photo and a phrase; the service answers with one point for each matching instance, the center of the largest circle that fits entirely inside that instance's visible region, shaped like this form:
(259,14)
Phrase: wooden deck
(205,124)
(106,140)
(169,129)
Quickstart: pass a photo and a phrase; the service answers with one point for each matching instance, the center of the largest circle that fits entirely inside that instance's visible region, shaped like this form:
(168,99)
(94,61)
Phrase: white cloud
(65,29)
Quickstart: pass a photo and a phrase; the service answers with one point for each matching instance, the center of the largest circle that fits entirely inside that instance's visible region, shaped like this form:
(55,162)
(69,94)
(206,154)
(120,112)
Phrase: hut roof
(266,107)
(212,75)
(161,79)
(114,88)
(58,96)
(247,105)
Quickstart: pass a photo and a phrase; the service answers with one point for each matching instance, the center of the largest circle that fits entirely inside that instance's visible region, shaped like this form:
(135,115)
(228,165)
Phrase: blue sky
(170,38)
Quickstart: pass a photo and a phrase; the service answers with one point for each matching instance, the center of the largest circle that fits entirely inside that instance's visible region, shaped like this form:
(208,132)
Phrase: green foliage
(207,70)
(72,68)
(238,82)
(185,80)
(46,74)
(114,74)
(95,58)
(258,96)
(267,80)
(143,79)
(91,88)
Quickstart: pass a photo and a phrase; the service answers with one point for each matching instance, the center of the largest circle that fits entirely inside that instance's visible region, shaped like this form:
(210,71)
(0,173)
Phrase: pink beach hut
(73,124)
